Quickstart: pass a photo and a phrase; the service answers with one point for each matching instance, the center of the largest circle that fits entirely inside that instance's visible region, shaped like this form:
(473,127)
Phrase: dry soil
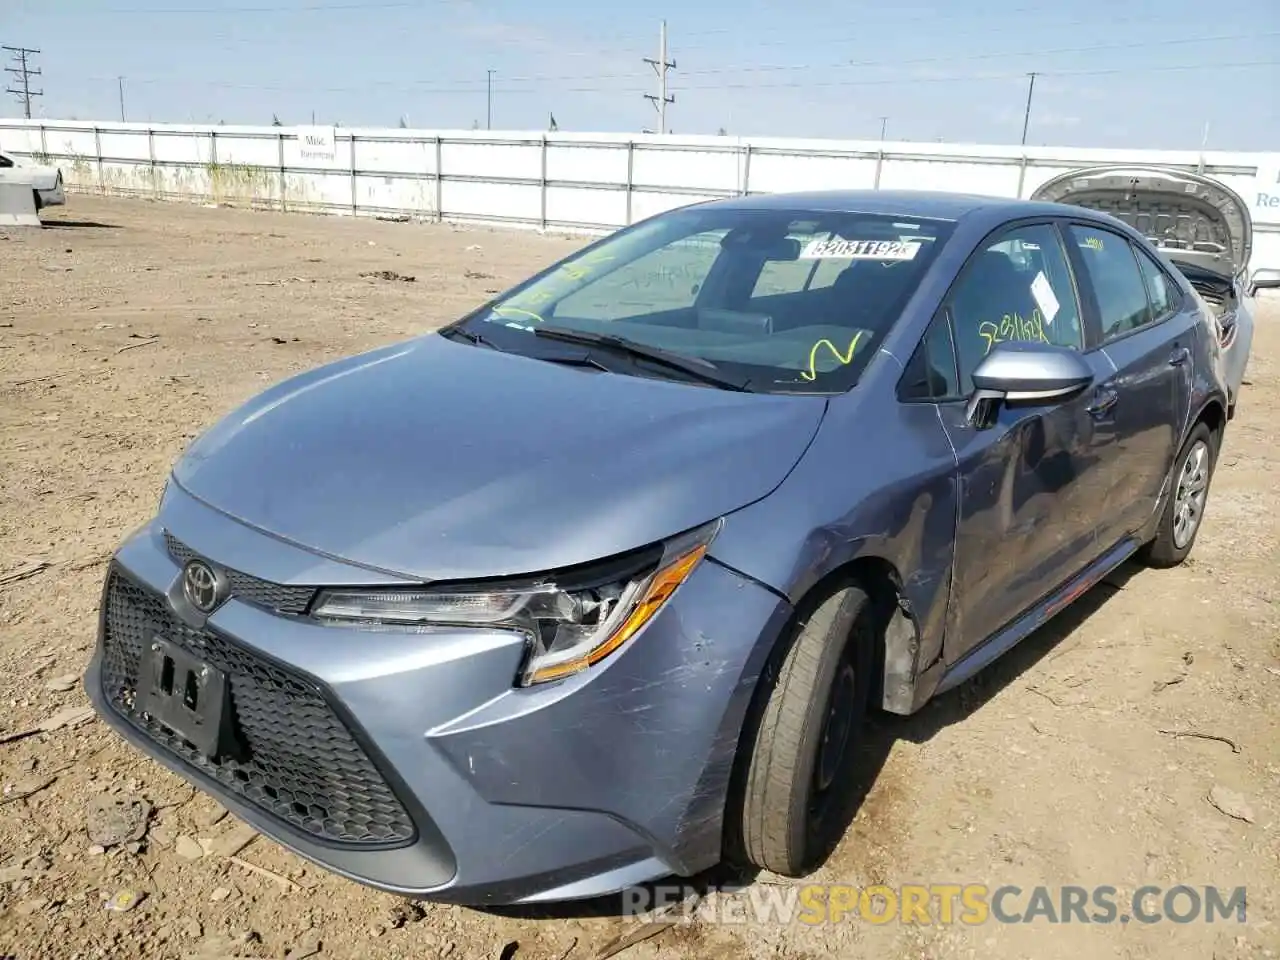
(128,326)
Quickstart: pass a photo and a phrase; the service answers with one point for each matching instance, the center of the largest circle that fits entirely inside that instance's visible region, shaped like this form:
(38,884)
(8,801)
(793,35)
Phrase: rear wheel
(810,719)
(1188,495)
(35,196)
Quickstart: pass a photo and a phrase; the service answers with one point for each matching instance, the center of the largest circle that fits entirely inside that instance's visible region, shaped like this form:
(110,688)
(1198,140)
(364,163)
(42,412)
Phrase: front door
(1028,508)
(1144,402)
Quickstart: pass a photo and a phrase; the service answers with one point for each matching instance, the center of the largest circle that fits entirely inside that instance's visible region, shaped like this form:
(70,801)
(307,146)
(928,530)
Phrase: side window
(1160,290)
(1112,270)
(931,372)
(5,162)
(1018,287)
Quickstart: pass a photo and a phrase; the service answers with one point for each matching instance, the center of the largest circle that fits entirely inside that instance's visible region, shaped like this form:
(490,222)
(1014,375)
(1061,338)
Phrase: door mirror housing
(1027,372)
(1264,278)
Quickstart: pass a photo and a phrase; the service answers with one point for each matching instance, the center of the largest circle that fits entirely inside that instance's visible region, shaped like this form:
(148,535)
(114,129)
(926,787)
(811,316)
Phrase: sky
(1123,73)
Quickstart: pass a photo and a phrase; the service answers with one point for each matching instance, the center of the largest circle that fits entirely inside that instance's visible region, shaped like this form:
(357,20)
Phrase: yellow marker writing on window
(844,358)
(528,313)
(1093,243)
(580,268)
(1013,327)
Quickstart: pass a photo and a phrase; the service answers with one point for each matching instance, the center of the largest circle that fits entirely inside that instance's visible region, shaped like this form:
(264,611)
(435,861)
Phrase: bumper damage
(410,762)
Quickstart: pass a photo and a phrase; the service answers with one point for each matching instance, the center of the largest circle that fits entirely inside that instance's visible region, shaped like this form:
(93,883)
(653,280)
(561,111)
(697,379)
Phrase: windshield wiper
(470,337)
(700,370)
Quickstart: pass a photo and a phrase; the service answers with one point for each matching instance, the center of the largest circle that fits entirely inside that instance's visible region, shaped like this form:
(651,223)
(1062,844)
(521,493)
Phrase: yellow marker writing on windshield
(528,313)
(844,358)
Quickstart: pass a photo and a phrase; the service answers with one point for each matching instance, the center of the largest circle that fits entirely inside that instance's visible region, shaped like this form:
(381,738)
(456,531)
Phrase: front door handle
(1179,356)
(1103,401)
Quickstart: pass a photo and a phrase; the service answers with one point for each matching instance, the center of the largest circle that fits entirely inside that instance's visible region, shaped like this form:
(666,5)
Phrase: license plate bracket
(187,695)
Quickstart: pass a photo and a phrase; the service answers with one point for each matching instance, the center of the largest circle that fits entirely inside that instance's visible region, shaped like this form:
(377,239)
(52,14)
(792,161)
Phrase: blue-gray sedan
(597,584)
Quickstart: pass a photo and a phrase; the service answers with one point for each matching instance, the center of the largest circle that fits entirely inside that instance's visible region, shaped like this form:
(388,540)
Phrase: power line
(460,84)
(856,82)
(661,66)
(418,88)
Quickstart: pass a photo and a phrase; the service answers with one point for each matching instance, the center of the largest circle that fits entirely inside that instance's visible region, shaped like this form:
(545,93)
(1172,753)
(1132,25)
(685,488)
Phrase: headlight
(570,621)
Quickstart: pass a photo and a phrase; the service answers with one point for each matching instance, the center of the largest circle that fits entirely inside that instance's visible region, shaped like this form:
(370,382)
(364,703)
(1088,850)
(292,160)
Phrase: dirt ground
(128,326)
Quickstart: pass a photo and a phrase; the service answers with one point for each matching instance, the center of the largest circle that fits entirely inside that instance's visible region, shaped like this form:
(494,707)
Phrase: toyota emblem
(200,586)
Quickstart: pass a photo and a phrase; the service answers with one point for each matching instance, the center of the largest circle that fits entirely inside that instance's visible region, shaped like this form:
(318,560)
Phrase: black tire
(35,196)
(787,823)
(1167,548)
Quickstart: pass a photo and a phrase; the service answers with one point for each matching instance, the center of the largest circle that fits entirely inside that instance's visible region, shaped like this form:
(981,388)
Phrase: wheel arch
(895,659)
(1215,415)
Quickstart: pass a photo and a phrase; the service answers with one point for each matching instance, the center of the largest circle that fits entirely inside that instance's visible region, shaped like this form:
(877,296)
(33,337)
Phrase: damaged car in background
(598,584)
(46,180)
(1200,225)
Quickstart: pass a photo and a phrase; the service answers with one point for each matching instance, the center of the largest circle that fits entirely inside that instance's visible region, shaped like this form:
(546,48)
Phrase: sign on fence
(317,146)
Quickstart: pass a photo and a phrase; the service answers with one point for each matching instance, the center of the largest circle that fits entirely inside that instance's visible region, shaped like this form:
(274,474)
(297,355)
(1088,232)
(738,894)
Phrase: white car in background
(1204,229)
(45,181)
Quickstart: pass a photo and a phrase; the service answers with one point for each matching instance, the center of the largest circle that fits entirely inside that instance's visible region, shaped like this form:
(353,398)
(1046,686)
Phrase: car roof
(924,204)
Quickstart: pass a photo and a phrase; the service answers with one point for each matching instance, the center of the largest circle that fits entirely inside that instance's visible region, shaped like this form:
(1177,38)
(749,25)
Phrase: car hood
(1191,218)
(438,460)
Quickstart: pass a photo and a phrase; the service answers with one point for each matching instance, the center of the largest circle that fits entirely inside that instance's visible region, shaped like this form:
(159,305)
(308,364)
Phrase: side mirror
(1027,372)
(1264,278)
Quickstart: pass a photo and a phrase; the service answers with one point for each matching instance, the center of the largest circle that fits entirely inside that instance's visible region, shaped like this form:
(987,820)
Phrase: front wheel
(799,757)
(1188,495)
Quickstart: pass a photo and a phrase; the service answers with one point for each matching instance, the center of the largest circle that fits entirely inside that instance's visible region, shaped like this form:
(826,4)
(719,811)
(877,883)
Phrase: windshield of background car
(787,301)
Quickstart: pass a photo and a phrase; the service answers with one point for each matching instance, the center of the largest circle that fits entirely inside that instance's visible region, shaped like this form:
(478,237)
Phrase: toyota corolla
(596,584)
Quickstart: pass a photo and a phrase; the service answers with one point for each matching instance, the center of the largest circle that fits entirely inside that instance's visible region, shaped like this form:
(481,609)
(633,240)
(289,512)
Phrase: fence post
(97,149)
(1022,175)
(151,157)
(631,166)
(746,171)
(44,144)
(355,207)
(213,164)
(544,181)
(280,161)
(439,181)
(879,167)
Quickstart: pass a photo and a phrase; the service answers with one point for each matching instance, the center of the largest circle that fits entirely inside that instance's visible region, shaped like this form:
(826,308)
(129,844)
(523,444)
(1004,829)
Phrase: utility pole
(488,123)
(120,83)
(1026,117)
(661,66)
(24,74)
(884,123)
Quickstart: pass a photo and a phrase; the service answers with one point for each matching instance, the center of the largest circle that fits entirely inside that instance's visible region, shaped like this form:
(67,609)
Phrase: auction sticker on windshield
(861,250)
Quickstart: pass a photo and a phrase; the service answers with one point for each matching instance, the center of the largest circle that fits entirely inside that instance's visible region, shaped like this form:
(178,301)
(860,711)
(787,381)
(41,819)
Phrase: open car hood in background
(1190,217)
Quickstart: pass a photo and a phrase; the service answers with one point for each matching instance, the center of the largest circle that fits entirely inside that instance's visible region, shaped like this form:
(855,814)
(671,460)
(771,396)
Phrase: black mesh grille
(275,596)
(302,765)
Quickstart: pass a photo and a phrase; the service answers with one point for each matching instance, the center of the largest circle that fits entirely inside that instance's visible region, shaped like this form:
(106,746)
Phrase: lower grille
(301,764)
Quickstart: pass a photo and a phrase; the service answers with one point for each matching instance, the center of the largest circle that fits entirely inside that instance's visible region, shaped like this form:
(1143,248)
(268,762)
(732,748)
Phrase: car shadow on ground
(882,732)
(78,225)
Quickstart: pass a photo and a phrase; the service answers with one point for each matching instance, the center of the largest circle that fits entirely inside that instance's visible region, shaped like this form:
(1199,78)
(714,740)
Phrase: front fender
(893,512)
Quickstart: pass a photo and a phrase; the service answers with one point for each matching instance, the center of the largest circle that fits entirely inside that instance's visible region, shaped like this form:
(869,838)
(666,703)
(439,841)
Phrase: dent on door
(1027,519)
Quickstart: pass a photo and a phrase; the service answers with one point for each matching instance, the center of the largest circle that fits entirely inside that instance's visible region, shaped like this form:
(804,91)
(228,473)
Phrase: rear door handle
(1103,401)
(1179,356)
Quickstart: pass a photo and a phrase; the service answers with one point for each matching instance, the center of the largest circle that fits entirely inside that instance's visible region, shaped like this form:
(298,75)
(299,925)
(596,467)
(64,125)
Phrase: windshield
(784,301)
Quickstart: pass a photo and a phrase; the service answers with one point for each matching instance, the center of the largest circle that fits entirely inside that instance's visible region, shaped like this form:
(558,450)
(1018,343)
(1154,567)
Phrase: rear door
(1137,322)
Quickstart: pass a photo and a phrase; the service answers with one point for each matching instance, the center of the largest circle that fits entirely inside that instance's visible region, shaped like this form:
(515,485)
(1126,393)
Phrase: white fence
(559,181)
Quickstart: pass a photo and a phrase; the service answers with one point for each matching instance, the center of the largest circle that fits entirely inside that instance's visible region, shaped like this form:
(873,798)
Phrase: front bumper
(410,763)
